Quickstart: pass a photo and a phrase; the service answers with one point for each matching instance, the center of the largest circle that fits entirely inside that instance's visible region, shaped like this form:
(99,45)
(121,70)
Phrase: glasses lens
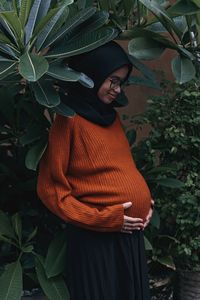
(115,83)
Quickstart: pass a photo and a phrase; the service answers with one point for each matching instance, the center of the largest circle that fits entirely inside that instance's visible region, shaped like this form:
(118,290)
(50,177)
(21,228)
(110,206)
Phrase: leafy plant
(35,38)
(46,271)
(172,151)
(175,27)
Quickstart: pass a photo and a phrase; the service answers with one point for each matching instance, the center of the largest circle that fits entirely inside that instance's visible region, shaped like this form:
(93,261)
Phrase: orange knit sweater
(87,172)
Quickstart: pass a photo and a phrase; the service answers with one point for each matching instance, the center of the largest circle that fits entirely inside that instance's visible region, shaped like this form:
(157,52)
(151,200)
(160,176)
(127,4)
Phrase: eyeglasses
(116,82)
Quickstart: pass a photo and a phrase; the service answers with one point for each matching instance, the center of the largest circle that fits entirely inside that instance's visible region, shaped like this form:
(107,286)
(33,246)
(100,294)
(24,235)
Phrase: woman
(89,179)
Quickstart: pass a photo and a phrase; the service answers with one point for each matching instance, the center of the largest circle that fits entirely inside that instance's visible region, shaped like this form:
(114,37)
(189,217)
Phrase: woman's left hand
(148,217)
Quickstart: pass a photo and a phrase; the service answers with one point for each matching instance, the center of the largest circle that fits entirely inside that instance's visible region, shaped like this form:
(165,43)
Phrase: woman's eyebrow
(117,77)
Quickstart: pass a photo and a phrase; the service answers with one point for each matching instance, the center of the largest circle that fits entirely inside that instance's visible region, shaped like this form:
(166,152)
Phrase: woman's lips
(113,96)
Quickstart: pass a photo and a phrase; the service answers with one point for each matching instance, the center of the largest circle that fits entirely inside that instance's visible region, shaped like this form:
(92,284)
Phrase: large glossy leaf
(48,28)
(5,226)
(135,80)
(147,244)
(4,39)
(78,19)
(54,288)
(32,67)
(8,49)
(6,68)
(183,69)
(35,153)
(17,225)
(25,8)
(148,34)
(170,183)
(167,261)
(181,8)
(162,15)
(11,18)
(64,110)
(85,43)
(147,72)
(55,260)
(43,10)
(60,71)
(95,22)
(32,20)
(6,28)
(145,49)
(40,26)
(11,282)
(45,93)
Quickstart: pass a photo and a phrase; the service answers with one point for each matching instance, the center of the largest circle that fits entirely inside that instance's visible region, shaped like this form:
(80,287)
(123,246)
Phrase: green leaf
(8,50)
(155,220)
(167,261)
(55,259)
(183,69)
(147,72)
(131,136)
(11,282)
(85,43)
(45,93)
(181,8)
(4,39)
(93,23)
(25,8)
(67,28)
(35,153)
(49,27)
(145,48)
(162,16)
(43,10)
(32,67)
(147,244)
(143,82)
(54,288)
(6,68)
(11,18)
(28,249)
(32,235)
(171,183)
(32,20)
(64,110)
(60,71)
(17,225)
(39,27)
(5,226)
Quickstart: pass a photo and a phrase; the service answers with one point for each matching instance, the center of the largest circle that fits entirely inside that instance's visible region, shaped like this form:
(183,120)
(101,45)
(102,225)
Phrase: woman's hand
(148,217)
(131,224)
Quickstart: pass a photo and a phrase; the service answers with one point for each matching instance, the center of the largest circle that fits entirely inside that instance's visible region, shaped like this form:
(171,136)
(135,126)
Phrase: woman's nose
(118,89)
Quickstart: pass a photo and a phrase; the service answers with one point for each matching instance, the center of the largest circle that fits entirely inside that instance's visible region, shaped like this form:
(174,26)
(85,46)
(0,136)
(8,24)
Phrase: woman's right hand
(130,223)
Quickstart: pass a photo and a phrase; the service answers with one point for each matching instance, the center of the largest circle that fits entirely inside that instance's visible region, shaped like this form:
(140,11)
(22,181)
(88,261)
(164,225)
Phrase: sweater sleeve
(55,191)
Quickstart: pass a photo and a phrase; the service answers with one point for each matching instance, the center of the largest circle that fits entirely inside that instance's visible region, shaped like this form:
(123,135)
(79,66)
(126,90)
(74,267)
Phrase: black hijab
(97,64)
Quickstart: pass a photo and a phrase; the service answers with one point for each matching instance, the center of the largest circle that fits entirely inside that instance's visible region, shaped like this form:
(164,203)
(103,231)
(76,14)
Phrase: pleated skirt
(106,265)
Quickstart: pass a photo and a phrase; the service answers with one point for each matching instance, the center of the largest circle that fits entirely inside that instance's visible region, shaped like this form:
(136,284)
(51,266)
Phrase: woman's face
(111,87)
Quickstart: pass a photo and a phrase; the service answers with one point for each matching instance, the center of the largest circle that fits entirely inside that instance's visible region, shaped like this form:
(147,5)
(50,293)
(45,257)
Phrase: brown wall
(138,95)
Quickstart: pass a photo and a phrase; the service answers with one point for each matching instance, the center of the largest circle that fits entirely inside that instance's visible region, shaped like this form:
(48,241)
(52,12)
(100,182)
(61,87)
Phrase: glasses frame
(117,82)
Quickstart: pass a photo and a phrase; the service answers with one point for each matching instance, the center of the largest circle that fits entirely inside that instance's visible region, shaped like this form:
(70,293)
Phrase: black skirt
(105,265)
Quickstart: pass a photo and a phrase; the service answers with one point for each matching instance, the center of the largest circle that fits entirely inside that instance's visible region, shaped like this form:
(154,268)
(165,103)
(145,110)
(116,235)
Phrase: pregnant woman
(88,178)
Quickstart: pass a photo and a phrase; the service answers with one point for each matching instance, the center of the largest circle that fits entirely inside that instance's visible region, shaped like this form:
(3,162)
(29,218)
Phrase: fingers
(131,224)
(127,205)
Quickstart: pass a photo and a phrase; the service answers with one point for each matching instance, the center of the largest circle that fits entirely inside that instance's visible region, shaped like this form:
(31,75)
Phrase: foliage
(153,26)
(35,37)
(20,245)
(172,151)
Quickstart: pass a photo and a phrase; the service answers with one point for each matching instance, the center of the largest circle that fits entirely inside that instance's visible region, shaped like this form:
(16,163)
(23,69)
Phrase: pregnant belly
(140,197)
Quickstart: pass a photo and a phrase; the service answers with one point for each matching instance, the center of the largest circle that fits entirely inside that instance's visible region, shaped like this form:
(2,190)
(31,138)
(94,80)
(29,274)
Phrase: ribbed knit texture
(87,172)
